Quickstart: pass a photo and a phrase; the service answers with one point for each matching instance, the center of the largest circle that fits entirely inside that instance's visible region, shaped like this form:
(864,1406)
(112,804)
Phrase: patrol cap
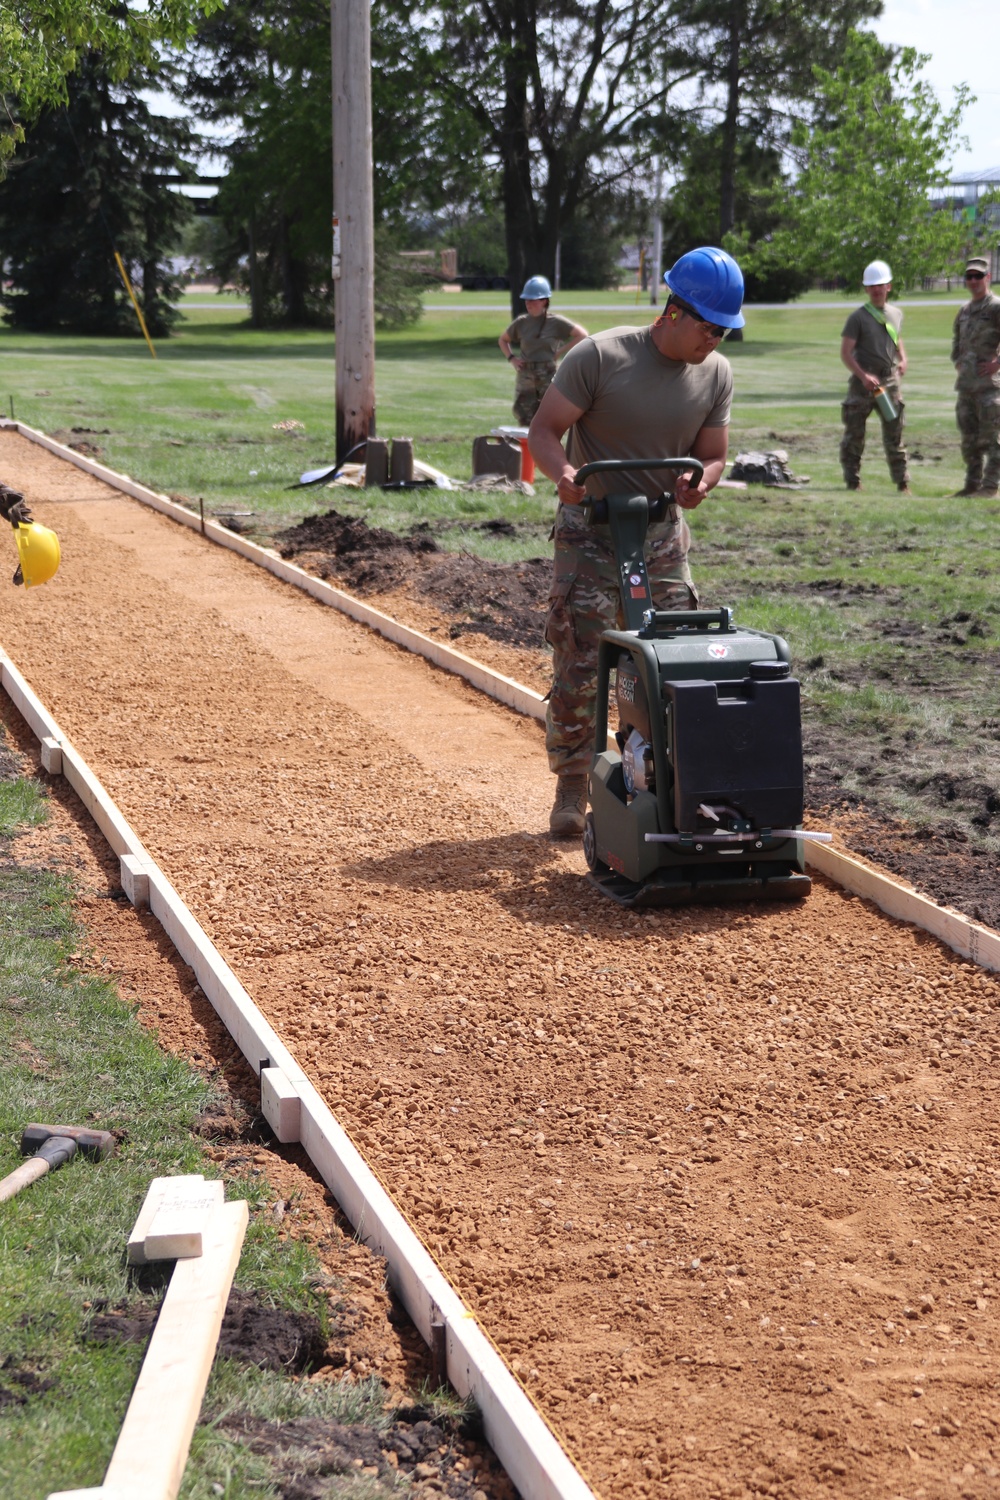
(978,263)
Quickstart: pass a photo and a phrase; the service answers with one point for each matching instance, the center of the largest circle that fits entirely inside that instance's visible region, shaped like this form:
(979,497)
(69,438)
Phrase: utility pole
(354,223)
(657,268)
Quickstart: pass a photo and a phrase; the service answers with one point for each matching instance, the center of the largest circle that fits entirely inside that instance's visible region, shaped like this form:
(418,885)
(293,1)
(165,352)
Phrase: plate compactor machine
(701,799)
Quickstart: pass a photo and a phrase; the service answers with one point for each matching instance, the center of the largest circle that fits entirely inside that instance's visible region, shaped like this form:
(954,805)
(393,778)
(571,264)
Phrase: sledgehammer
(53,1147)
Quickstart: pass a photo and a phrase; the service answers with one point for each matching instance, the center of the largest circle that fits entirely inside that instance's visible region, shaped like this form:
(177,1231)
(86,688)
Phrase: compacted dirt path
(721,1183)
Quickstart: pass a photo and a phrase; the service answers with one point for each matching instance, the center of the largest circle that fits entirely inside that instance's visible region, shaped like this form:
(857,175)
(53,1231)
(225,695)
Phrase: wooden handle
(28,1172)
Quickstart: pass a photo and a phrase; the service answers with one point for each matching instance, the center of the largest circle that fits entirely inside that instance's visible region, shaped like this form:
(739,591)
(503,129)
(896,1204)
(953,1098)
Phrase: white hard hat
(876,273)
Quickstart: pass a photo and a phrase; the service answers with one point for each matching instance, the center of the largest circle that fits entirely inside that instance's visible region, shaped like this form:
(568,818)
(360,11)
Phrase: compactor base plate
(666,889)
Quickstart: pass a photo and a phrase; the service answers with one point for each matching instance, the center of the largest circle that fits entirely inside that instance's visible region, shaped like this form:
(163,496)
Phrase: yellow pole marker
(138,309)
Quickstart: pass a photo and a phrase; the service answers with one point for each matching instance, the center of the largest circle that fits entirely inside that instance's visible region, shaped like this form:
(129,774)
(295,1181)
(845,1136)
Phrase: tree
(42,41)
(868,168)
(563,95)
(88,182)
(264,69)
(760,209)
(756,60)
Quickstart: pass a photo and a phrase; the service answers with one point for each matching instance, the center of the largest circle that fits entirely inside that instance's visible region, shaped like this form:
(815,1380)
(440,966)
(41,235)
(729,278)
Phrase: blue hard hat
(712,282)
(535,287)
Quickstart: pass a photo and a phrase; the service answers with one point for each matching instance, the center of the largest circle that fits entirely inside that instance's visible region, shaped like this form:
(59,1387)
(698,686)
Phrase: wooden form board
(151,1453)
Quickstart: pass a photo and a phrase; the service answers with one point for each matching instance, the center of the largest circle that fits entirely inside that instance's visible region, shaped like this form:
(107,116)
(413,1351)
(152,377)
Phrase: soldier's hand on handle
(569,492)
(687,494)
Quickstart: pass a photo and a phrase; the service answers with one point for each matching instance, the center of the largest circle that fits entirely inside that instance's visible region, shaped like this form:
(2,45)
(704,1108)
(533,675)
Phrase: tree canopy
(562,95)
(89,183)
(755,73)
(43,41)
(526,130)
(880,145)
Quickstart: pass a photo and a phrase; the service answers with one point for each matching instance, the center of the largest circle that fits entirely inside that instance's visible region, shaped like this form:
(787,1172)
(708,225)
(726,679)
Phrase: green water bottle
(883,401)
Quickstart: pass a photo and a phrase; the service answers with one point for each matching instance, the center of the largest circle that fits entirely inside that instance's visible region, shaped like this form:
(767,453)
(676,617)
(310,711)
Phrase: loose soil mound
(310,1455)
(504,601)
(269,1337)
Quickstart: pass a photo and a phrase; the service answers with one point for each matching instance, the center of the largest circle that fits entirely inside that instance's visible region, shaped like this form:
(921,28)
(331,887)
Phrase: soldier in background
(541,337)
(975,353)
(871,347)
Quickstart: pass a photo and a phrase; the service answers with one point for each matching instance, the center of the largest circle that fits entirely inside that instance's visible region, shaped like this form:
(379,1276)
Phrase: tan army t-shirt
(874,349)
(639,404)
(541,337)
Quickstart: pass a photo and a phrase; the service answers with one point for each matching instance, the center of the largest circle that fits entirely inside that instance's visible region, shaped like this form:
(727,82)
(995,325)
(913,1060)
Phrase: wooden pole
(354,258)
(657,271)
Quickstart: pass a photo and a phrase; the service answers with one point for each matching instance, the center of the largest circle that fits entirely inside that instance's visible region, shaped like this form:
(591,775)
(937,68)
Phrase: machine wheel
(595,865)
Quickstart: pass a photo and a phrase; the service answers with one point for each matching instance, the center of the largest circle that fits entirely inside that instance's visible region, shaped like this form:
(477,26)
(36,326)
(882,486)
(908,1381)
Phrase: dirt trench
(721,1184)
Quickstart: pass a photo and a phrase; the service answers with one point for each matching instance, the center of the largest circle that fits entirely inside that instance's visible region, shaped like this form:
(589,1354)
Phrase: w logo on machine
(717,652)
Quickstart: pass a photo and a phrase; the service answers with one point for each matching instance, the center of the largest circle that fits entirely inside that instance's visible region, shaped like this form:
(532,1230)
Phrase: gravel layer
(721,1184)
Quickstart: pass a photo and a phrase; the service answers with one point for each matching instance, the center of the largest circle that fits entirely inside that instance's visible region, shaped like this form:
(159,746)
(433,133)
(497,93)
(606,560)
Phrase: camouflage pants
(978,414)
(855,412)
(532,383)
(583,603)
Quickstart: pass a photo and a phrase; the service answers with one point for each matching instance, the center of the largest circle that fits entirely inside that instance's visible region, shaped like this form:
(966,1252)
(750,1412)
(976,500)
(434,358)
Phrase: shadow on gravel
(525,875)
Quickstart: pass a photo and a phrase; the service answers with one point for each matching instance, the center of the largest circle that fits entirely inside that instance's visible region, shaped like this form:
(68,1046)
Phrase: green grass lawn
(890,603)
(200,419)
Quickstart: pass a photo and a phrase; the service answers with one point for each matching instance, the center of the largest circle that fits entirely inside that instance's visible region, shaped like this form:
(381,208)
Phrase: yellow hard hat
(38,548)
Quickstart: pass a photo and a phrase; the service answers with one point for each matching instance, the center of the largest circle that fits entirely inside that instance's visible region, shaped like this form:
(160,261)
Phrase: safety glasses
(975,275)
(714,330)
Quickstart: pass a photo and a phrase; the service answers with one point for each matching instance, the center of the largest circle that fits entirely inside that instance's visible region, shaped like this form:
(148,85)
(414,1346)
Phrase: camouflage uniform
(634,402)
(583,603)
(539,338)
(976,337)
(878,354)
(530,386)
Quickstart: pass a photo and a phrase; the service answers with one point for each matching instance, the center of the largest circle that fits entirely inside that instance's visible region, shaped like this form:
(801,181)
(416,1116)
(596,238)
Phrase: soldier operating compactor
(701,798)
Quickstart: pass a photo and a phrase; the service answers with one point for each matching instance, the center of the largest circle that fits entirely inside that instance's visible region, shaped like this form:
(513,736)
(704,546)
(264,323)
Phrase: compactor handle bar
(598,509)
(623,465)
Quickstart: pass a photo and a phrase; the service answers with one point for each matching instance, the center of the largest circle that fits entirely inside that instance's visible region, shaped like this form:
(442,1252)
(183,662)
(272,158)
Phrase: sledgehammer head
(96,1144)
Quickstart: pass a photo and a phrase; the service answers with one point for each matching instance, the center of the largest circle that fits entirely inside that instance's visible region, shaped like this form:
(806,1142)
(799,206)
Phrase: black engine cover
(738,743)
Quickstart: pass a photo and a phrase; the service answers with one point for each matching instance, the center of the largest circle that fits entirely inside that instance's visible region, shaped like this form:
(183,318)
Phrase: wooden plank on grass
(182,1218)
(157,1191)
(152,1448)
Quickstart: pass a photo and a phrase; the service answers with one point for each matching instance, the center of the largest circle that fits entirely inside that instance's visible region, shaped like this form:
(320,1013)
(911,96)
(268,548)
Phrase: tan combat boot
(567,816)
